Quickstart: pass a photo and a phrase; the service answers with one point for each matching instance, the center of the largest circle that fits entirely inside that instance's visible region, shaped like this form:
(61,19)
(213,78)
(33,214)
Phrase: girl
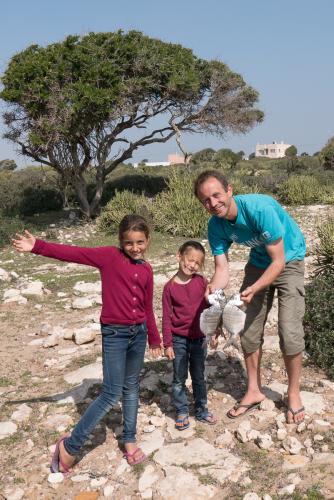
(182,302)
(126,319)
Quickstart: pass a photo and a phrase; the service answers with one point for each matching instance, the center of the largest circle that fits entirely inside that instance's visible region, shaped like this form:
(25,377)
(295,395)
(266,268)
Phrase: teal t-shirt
(261,220)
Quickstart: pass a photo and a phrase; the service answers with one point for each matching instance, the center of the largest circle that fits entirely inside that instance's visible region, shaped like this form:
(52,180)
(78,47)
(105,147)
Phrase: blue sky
(282,48)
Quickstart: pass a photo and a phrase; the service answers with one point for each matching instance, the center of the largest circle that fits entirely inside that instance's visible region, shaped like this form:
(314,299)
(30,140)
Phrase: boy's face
(215,199)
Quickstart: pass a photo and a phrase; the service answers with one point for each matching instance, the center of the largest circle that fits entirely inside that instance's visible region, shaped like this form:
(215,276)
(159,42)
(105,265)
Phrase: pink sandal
(57,461)
(128,455)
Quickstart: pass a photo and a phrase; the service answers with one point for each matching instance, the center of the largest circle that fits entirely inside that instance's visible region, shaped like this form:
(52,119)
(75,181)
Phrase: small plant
(305,190)
(325,249)
(5,382)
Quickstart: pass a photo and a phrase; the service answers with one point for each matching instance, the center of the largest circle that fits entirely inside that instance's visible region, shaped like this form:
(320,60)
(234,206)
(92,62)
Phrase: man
(276,261)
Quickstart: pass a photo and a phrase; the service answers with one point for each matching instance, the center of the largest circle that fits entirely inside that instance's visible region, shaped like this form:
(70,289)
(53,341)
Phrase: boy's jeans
(189,353)
(123,349)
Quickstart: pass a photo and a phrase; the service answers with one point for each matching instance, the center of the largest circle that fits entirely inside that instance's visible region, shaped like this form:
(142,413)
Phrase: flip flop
(181,420)
(206,418)
(128,455)
(57,461)
(294,413)
(249,408)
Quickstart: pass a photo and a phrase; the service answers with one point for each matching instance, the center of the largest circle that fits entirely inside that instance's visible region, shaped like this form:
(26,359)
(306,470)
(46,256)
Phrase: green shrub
(177,211)
(305,190)
(8,228)
(319,317)
(123,203)
(325,248)
(319,322)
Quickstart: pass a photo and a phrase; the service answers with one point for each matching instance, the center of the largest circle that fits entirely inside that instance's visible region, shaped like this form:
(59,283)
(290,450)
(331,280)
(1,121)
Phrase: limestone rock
(7,429)
(267,405)
(251,496)
(152,442)
(55,477)
(281,434)
(295,462)
(195,452)
(148,478)
(84,335)
(292,445)
(321,425)
(182,485)
(14,494)
(92,371)
(243,429)
(176,434)
(264,442)
(22,413)
(83,287)
(286,490)
(51,341)
(224,440)
(82,303)
(4,275)
(33,289)
(60,422)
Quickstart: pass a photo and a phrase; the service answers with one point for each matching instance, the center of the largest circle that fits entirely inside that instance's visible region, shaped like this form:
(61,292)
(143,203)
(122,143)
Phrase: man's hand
(169,353)
(24,243)
(209,289)
(155,351)
(247,295)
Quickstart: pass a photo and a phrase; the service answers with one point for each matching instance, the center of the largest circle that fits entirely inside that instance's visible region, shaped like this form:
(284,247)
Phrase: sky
(284,49)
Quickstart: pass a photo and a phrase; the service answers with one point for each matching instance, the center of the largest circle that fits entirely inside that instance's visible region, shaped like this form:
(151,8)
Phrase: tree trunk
(99,186)
(81,190)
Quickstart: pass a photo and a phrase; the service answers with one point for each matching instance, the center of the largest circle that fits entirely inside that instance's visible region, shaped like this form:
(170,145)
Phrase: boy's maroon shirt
(182,306)
(127,286)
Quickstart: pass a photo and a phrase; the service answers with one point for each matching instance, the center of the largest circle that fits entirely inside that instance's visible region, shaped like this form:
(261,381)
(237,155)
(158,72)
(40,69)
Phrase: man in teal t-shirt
(276,262)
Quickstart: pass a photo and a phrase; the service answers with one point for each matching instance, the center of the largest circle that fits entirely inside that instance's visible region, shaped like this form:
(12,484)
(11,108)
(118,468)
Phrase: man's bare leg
(293,366)
(254,392)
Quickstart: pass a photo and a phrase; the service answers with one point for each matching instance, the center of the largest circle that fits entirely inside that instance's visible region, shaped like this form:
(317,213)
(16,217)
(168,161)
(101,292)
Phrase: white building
(173,159)
(273,150)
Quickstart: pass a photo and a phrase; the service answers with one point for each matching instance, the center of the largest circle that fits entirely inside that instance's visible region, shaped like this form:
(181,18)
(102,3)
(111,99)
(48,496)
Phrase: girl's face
(191,261)
(134,244)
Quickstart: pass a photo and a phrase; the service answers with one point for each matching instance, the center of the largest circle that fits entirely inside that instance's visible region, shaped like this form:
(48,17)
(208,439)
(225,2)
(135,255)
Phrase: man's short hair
(204,176)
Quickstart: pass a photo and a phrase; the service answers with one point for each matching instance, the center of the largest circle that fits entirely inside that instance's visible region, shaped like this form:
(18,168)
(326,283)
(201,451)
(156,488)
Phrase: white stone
(195,452)
(301,427)
(51,341)
(157,421)
(55,477)
(328,383)
(267,405)
(318,437)
(33,289)
(92,371)
(242,430)
(147,494)
(80,478)
(11,292)
(152,442)
(60,422)
(264,442)
(321,425)
(281,434)
(314,403)
(83,287)
(148,478)
(98,482)
(251,496)
(148,429)
(323,458)
(182,485)
(84,335)
(22,413)
(108,490)
(225,439)
(14,494)
(267,497)
(4,275)
(294,478)
(292,445)
(286,490)
(82,303)
(7,429)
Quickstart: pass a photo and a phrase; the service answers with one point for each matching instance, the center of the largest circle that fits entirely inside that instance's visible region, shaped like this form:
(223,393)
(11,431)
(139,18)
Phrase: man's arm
(221,275)
(276,252)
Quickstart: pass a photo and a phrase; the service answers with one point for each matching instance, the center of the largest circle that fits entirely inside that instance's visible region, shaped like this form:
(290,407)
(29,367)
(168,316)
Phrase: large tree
(326,155)
(89,102)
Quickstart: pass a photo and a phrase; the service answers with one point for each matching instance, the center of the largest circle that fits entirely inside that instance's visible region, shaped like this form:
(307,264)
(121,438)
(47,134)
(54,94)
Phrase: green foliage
(177,211)
(325,248)
(305,190)
(123,203)
(7,165)
(8,228)
(319,317)
(72,103)
(326,155)
(226,157)
(203,155)
(28,191)
(291,151)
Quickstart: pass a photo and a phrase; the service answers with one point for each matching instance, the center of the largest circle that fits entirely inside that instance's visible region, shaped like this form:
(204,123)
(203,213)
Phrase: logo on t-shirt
(266,235)
(234,237)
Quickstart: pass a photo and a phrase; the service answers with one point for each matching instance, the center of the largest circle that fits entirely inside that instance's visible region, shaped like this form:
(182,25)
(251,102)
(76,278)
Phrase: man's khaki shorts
(291,308)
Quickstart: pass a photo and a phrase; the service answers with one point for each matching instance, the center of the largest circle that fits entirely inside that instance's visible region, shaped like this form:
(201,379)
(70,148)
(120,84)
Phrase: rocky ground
(50,358)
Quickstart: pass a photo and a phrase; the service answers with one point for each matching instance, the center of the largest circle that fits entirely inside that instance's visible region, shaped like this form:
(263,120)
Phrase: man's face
(215,199)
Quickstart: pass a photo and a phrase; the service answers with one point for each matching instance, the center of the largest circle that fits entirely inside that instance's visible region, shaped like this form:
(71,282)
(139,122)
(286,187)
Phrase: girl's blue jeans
(189,354)
(123,349)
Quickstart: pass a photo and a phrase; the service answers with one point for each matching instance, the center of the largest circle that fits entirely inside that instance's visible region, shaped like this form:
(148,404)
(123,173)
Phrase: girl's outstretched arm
(81,255)
(24,242)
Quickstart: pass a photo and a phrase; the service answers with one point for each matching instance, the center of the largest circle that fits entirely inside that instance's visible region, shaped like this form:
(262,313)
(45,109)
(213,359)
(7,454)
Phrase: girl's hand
(214,342)
(24,243)
(169,353)
(155,351)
